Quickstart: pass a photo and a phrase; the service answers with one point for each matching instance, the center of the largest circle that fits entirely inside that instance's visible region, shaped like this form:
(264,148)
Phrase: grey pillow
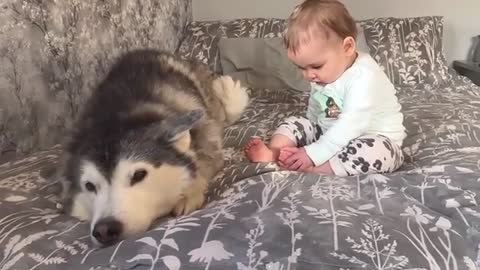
(260,63)
(201,37)
(361,41)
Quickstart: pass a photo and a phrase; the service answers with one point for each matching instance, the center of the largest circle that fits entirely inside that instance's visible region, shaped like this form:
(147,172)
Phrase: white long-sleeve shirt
(368,105)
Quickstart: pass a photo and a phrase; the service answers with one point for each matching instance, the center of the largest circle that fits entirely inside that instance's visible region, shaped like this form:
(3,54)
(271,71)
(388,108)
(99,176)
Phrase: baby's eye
(317,67)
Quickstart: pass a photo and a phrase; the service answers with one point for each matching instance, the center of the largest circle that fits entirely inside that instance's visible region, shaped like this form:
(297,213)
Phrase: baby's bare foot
(257,151)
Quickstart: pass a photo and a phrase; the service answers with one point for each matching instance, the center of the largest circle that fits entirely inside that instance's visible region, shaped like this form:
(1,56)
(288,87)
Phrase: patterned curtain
(52,53)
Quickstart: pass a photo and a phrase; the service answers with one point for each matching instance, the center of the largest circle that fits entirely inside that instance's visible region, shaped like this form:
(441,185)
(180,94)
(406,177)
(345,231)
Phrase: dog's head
(124,178)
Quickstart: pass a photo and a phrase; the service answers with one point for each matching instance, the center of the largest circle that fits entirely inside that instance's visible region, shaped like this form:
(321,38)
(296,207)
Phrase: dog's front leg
(193,199)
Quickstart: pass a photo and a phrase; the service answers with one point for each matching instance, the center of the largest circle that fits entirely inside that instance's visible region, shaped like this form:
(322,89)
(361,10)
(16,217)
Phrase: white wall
(462,19)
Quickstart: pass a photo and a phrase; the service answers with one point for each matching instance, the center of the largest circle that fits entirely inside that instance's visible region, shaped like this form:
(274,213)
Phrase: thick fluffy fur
(147,143)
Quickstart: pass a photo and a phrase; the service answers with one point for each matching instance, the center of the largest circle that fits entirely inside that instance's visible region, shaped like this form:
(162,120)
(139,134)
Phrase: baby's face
(322,60)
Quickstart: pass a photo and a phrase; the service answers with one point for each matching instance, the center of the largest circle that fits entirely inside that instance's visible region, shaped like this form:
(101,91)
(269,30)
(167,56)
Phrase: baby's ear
(349,45)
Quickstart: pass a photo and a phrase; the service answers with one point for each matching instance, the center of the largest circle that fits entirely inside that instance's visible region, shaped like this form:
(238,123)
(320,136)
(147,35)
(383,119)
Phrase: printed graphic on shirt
(328,105)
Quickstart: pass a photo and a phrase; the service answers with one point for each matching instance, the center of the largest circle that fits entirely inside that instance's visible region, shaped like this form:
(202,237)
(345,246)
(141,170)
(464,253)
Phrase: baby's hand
(286,152)
(295,159)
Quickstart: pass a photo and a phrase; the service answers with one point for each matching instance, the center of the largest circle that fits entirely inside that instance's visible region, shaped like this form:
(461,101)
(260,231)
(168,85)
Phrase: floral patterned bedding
(425,216)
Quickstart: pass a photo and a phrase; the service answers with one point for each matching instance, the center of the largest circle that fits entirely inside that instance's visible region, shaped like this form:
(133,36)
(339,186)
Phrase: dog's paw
(233,96)
(189,204)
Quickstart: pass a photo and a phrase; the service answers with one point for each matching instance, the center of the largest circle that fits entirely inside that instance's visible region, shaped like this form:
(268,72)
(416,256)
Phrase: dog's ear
(177,126)
(176,129)
(173,129)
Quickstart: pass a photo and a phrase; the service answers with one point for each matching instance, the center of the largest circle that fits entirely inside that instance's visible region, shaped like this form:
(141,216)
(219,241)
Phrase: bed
(424,216)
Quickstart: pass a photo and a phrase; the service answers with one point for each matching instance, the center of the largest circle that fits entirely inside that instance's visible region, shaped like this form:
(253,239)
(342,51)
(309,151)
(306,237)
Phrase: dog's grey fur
(147,143)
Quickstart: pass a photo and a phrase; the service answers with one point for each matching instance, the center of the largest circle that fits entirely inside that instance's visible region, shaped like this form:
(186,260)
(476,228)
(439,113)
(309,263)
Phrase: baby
(353,123)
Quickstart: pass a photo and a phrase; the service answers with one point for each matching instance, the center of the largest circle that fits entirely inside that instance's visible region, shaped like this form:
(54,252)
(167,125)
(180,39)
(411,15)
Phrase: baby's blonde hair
(318,17)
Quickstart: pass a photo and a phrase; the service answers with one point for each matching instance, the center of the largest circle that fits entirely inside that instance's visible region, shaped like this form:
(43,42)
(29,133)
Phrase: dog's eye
(90,187)
(138,176)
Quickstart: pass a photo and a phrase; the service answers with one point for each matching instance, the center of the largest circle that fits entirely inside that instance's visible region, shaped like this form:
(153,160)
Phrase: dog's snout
(107,231)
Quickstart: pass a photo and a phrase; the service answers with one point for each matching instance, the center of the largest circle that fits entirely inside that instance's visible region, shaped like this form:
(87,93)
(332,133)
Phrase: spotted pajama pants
(364,155)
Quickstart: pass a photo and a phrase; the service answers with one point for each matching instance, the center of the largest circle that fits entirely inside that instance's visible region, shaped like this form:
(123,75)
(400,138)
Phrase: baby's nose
(310,75)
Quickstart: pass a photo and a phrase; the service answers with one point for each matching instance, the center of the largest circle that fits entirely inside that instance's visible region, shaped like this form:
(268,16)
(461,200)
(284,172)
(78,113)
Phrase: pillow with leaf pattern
(410,50)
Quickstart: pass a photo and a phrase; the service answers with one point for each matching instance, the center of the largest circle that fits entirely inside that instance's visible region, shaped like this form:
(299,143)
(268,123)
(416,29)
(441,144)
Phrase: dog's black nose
(107,231)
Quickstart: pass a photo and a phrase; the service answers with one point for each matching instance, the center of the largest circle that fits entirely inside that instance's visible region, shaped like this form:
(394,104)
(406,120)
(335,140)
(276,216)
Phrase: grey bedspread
(425,216)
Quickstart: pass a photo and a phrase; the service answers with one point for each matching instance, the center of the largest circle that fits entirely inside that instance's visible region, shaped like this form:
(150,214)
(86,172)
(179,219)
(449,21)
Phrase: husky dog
(147,143)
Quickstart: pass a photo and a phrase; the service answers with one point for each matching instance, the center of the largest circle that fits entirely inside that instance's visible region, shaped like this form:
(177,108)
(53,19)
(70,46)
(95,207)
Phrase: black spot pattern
(389,146)
(343,156)
(375,154)
(369,142)
(377,165)
(304,131)
(351,150)
(318,132)
(362,163)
